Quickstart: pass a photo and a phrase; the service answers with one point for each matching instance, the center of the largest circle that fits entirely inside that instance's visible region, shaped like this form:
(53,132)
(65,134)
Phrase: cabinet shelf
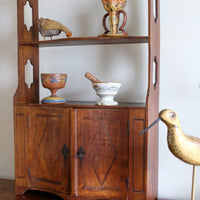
(89,41)
(91,104)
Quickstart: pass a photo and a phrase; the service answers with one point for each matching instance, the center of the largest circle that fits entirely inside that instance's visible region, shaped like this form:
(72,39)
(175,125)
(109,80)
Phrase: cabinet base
(41,195)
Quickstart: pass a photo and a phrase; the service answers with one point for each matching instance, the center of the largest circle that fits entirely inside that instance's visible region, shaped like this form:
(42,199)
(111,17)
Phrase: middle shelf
(89,41)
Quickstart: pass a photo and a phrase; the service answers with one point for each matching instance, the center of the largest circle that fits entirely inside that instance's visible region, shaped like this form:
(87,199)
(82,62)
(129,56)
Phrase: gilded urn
(114,8)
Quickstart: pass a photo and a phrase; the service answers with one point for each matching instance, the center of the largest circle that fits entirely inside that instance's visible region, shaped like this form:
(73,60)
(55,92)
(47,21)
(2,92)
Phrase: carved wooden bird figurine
(49,28)
(184,147)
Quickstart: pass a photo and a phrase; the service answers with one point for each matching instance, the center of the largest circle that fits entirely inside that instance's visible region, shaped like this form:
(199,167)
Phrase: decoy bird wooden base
(80,150)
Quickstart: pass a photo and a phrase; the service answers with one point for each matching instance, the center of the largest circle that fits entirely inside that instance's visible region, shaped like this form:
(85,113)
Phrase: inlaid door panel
(49,149)
(102,152)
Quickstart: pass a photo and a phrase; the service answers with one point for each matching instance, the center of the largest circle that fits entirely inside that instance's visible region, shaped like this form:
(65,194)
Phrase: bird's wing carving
(48,24)
(193,139)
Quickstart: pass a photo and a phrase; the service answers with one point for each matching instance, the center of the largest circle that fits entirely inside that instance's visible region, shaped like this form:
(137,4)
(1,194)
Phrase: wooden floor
(7,192)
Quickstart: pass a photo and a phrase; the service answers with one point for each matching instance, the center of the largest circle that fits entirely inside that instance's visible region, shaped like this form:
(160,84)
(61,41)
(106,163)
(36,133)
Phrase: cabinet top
(90,104)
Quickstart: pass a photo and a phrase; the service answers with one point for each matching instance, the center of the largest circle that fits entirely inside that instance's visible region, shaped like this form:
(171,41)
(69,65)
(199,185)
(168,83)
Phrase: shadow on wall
(8,84)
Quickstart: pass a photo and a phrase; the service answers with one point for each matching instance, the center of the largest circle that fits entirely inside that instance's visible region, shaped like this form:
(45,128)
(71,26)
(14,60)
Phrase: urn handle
(104,23)
(124,21)
(121,27)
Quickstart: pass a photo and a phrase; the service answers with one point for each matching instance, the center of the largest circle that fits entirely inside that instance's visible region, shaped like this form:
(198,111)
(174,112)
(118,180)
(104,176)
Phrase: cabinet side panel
(23,34)
(25,53)
(153,99)
(24,94)
(136,155)
(21,133)
(20,146)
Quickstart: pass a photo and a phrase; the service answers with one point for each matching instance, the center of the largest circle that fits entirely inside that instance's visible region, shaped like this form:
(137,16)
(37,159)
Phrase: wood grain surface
(7,192)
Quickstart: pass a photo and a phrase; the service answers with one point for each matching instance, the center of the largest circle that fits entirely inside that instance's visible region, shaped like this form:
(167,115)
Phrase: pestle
(92,78)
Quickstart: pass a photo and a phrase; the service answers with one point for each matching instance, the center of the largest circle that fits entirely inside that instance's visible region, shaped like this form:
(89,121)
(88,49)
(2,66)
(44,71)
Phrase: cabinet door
(48,149)
(102,166)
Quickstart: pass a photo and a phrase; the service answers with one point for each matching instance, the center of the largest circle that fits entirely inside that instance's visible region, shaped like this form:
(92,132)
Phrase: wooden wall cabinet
(80,150)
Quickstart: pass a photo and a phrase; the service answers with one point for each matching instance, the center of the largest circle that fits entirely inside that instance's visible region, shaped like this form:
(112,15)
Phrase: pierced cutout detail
(155,72)
(29,73)
(155,10)
(28,16)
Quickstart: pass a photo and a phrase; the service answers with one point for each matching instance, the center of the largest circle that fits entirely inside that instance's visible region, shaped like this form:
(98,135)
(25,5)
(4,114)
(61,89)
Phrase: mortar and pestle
(105,90)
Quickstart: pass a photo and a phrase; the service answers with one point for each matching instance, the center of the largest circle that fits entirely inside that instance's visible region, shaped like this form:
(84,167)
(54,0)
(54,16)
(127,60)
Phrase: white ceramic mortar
(106,91)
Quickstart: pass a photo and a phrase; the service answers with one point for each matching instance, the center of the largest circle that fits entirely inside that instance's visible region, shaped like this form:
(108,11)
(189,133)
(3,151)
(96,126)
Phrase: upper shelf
(89,41)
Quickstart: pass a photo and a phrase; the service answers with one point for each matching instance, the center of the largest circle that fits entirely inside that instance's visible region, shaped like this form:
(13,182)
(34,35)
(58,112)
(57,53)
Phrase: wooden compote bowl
(53,82)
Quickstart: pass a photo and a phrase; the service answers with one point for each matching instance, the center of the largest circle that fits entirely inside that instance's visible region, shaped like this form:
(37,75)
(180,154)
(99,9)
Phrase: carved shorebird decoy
(184,147)
(49,28)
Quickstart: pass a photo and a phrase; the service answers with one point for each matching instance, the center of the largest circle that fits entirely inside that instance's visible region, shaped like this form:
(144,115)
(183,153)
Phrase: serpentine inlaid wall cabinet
(81,150)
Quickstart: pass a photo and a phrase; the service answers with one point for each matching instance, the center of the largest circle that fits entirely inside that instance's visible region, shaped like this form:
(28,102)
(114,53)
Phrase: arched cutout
(155,72)
(155,14)
(28,16)
(39,195)
(28,73)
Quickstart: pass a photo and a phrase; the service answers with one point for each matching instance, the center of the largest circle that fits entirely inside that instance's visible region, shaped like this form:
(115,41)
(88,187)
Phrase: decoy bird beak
(146,129)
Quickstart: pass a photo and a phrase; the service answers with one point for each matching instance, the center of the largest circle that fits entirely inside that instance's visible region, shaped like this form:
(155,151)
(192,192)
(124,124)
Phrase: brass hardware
(65,151)
(80,154)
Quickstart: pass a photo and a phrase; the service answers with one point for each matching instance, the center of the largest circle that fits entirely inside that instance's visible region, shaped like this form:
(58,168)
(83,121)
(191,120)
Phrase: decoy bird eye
(172,114)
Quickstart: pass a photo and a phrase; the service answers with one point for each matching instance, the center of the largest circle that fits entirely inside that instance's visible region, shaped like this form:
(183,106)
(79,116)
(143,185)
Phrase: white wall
(180,82)
(8,80)
(180,68)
